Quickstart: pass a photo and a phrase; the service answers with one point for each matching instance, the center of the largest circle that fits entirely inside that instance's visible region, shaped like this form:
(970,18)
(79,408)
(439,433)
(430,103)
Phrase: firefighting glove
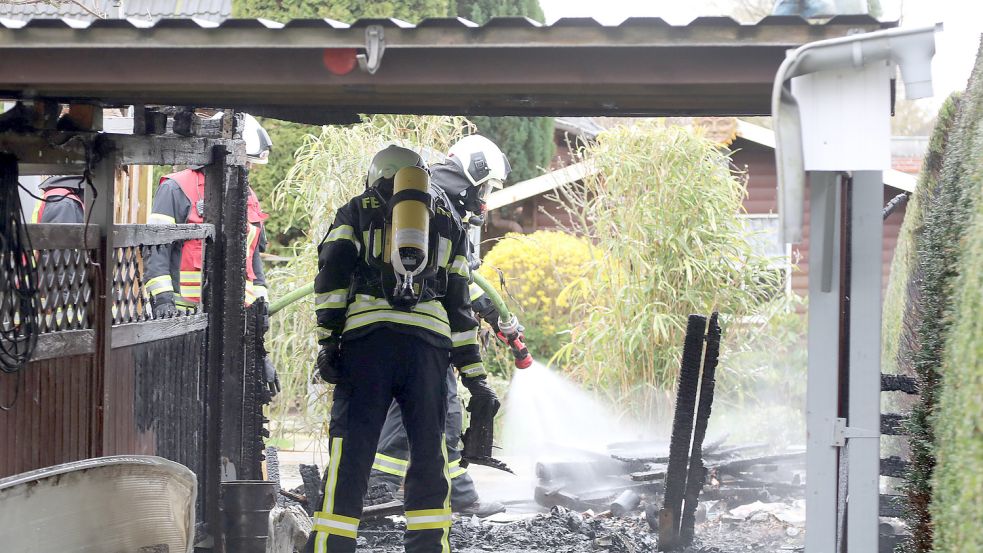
(483,397)
(164,305)
(485,309)
(478,439)
(329,360)
(270,376)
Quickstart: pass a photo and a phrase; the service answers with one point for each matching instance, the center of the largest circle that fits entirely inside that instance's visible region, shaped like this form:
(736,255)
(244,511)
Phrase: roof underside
(509,66)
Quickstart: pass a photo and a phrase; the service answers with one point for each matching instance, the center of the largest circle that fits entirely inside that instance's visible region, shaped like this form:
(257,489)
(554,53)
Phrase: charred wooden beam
(65,343)
(736,467)
(696,476)
(150,235)
(894,466)
(892,424)
(899,383)
(382,510)
(161,329)
(654,473)
(82,117)
(682,433)
(65,153)
(224,290)
(57,236)
(101,210)
(891,505)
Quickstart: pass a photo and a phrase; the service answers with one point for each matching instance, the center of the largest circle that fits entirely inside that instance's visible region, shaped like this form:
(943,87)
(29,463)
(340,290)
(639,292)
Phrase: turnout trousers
(393,456)
(380,367)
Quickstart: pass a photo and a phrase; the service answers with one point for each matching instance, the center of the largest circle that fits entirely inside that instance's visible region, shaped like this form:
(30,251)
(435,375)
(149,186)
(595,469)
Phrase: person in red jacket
(61,201)
(173,273)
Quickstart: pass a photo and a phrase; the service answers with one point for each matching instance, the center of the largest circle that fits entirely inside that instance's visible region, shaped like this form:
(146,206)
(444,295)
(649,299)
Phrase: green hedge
(932,329)
(957,501)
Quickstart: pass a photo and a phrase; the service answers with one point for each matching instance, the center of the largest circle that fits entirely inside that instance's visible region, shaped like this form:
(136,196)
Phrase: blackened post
(99,200)
(224,291)
(697,472)
(682,432)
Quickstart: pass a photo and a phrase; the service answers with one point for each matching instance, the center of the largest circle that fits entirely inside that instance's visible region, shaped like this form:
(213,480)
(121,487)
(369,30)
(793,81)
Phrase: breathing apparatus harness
(404,241)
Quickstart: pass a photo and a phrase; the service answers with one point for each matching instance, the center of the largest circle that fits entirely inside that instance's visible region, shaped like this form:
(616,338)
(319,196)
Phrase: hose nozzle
(513,337)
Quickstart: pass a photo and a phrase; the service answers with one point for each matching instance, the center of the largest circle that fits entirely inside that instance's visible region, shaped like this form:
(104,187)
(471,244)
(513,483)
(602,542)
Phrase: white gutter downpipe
(912,49)
(832,123)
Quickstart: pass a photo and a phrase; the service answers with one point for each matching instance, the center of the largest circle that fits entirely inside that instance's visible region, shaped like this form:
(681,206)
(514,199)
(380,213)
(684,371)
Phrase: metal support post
(100,210)
(823,381)
(863,428)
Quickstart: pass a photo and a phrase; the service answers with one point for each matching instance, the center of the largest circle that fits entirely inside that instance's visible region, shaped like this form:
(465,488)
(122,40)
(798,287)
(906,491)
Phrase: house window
(764,240)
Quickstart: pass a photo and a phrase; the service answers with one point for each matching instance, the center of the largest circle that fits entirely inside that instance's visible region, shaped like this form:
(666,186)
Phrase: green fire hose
(489,290)
(291,297)
(482,282)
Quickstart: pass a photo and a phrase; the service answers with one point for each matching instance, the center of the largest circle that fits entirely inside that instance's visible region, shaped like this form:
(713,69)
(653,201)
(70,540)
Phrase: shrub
(663,212)
(957,421)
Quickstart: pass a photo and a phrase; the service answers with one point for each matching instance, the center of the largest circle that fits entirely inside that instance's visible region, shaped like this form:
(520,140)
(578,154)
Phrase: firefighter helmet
(389,160)
(258,143)
(482,161)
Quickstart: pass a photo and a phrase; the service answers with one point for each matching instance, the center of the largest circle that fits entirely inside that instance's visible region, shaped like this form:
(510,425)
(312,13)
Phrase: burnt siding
(156,391)
(54,416)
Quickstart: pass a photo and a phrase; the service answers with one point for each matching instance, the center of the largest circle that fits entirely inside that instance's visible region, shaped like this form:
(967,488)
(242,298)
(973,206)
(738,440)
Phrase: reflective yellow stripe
(36,215)
(474,369)
(261,291)
(364,303)
(336,524)
(445,544)
(322,332)
(443,252)
(395,460)
(343,232)
(456,469)
(159,285)
(335,299)
(476,291)
(160,219)
(468,337)
(398,317)
(390,465)
(460,267)
(327,509)
(428,519)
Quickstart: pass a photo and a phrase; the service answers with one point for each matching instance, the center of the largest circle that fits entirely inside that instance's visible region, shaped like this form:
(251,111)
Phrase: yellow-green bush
(537,268)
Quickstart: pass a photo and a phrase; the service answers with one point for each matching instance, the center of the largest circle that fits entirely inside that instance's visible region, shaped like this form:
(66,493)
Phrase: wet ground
(775,527)
(565,531)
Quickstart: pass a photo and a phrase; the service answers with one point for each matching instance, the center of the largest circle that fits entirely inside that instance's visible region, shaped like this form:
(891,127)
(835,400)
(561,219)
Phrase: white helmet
(482,161)
(389,160)
(258,143)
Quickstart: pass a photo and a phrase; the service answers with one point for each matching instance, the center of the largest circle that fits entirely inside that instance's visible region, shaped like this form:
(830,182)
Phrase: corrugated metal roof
(508,66)
(89,10)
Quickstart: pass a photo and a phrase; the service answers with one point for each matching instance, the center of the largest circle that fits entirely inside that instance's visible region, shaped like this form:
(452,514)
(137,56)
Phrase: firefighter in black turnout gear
(474,166)
(393,310)
(61,201)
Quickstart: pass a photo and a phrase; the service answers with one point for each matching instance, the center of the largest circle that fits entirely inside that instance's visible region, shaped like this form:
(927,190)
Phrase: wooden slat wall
(759,162)
(53,416)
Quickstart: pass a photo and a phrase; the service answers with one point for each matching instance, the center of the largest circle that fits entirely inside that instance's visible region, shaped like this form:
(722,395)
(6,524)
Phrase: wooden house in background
(529,206)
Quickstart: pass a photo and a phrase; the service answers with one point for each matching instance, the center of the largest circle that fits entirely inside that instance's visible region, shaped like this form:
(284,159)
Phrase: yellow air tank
(410,222)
